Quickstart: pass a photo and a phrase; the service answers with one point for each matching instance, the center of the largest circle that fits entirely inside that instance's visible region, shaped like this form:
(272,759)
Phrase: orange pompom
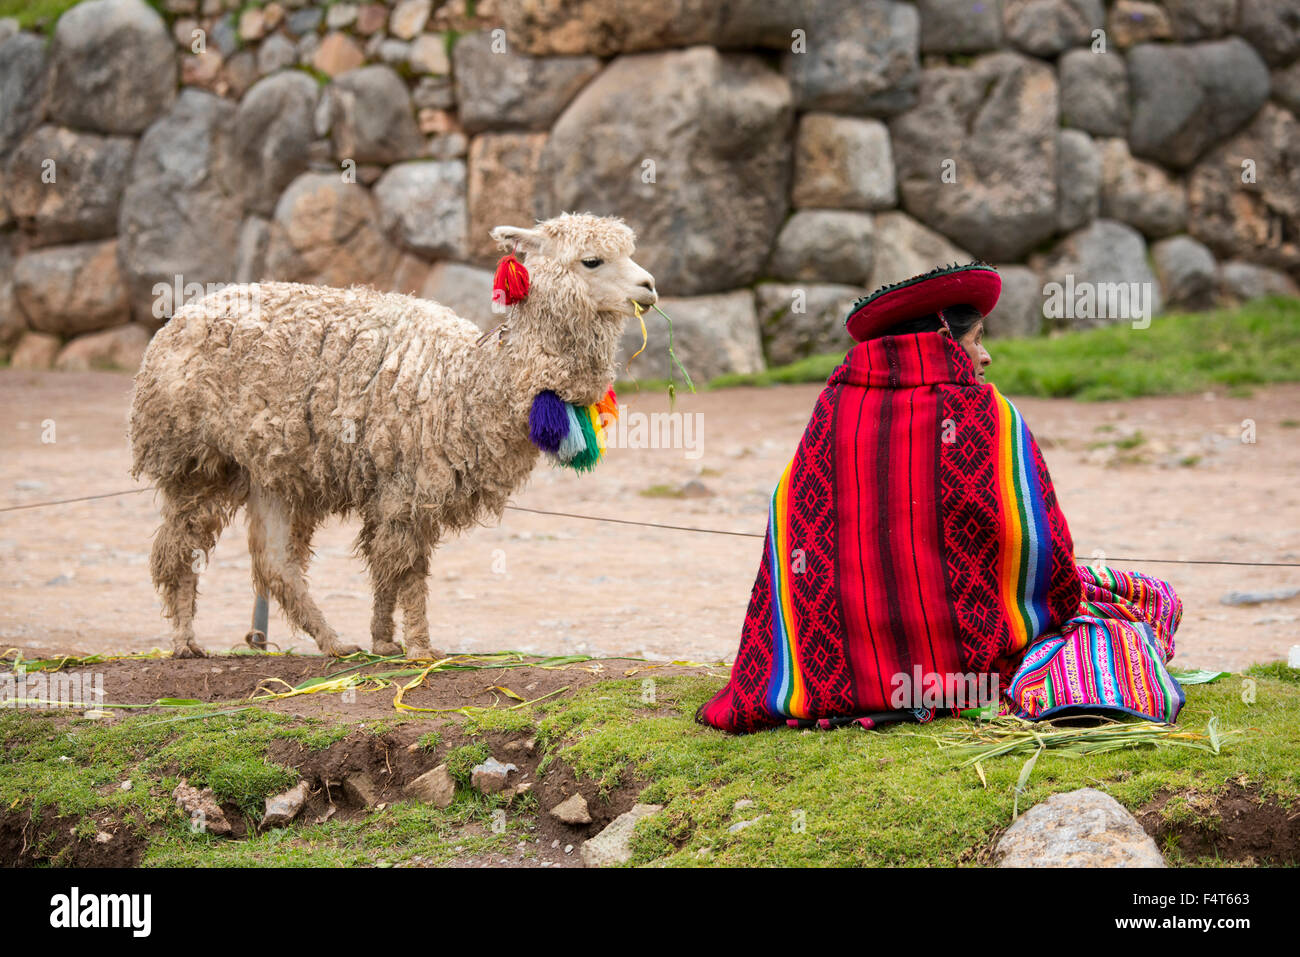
(608,405)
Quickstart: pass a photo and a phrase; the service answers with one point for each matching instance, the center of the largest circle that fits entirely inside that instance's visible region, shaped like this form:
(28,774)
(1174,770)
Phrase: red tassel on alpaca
(511,281)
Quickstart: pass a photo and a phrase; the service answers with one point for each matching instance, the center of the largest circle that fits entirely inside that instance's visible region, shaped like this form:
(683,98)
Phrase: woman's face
(973,343)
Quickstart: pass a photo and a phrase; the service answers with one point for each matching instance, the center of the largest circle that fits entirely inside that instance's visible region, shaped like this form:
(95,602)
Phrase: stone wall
(777,158)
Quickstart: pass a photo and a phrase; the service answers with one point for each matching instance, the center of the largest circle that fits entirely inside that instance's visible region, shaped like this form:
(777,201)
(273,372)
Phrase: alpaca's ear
(510,237)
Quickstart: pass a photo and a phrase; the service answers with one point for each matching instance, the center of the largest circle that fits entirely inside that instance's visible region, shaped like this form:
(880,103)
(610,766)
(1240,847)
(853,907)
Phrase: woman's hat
(975,284)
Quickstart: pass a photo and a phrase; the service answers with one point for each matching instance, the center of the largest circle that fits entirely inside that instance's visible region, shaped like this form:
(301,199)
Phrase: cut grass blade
(1013,736)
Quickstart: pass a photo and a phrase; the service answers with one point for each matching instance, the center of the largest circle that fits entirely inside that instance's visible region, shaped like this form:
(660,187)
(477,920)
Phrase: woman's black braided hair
(961,320)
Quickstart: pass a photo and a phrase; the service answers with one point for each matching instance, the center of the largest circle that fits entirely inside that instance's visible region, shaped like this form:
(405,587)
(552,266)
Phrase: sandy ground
(75,578)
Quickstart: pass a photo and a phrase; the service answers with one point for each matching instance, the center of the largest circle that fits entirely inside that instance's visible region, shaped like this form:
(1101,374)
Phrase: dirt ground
(1153,478)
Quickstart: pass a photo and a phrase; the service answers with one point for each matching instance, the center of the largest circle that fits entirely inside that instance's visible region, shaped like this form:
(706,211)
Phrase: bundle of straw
(1010,735)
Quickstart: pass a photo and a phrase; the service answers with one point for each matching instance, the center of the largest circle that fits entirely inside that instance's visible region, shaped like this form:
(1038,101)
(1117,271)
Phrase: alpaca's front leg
(398,556)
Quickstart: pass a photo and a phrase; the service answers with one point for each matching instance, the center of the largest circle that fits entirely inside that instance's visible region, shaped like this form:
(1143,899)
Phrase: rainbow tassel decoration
(571,435)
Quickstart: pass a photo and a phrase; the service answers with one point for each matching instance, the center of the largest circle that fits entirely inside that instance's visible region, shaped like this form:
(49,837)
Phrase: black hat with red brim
(975,284)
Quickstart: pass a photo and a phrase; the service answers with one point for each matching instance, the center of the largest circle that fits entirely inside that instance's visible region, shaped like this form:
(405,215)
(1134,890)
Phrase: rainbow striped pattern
(786,695)
(571,435)
(1025,538)
(1111,656)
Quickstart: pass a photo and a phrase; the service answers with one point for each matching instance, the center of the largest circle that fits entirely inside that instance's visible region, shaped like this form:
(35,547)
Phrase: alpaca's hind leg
(192,520)
(381,618)
(280,545)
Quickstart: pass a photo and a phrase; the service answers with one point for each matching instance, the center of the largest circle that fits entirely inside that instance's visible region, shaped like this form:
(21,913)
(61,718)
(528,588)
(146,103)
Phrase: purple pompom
(548,422)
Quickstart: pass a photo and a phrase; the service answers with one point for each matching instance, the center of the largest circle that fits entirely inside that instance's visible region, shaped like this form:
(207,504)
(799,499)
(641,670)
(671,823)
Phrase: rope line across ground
(689,528)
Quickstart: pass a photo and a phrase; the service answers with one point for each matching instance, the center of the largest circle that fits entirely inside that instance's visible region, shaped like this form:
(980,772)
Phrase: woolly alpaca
(306,401)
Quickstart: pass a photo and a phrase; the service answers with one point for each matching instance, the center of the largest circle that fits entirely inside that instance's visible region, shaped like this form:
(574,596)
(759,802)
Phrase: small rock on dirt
(490,776)
(283,808)
(1083,828)
(741,825)
(613,845)
(360,787)
(1258,597)
(201,807)
(436,787)
(572,810)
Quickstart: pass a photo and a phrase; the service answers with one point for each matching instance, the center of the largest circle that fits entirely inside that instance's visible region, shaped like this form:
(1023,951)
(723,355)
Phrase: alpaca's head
(582,264)
(564,335)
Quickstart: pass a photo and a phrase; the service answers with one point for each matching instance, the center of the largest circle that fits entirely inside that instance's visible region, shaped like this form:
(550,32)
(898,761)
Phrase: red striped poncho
(915,526)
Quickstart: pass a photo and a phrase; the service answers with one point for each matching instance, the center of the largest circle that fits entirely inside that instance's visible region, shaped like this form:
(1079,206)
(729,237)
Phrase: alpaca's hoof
(419,653)
(339,650)
(188,649)
(386,648)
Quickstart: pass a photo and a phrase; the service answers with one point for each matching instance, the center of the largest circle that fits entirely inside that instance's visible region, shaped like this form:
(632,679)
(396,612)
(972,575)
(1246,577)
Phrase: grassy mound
(1227,349)
(841,798)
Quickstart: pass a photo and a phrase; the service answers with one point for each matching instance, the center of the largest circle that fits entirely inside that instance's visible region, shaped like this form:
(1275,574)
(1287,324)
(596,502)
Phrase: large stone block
(65,186)
(905,248)
(825,245)
(180,216)
(1019,312)
(1078,179)
(1046,27)
(861,57)
(803,319)
(422,206)
(328,232)
(1139,193)
(22,88)
(371,118)
(1102,275)
(1187,272)
(1258,220)
(959,26)
(976,158)
(274,129)
(1186,98)
(843,162)
(68,290)
(1272,27)
(112,67)
(465,290)
(504,188)
(1094,92)
(712,335)
(706,201)
(119,348)
(501,89)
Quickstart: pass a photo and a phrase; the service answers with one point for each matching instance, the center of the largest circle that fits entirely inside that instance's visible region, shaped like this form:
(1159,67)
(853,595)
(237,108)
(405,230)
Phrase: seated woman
(916,554)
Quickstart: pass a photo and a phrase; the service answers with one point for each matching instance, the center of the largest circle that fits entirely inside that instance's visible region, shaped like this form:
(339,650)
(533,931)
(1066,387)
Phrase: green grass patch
(1229,350)
(36,14)
(842,798)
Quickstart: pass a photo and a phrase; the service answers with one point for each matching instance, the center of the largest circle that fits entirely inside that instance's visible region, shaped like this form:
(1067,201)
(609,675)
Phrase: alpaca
(300,402)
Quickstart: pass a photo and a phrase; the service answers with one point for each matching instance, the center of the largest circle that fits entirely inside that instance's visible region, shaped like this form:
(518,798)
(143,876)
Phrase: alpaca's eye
(592,262)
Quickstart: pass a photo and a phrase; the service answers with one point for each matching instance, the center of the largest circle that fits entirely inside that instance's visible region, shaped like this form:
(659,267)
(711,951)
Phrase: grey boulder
(1187,97)
(1084,828)
(112,67)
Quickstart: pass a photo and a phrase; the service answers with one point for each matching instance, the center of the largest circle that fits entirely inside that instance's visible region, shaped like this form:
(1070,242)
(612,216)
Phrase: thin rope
(708,531)
(67,501)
